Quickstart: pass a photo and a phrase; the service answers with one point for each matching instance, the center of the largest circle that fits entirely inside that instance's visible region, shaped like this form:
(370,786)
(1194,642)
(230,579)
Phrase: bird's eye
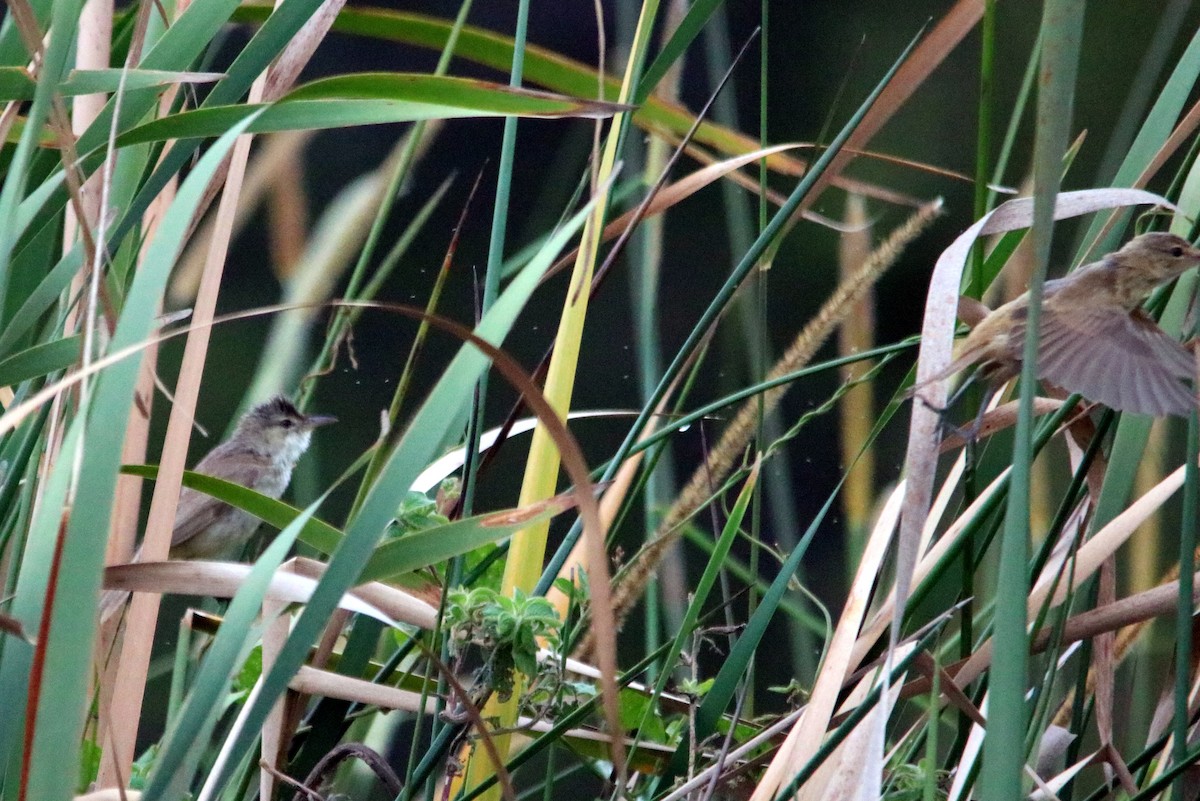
(286,423)
(1177,251)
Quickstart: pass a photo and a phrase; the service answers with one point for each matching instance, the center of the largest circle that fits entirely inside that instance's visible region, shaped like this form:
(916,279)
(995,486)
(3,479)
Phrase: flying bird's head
(1150,260)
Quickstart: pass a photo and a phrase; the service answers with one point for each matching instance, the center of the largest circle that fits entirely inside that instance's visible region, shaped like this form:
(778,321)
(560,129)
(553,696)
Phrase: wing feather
(196,511)
(1124,361)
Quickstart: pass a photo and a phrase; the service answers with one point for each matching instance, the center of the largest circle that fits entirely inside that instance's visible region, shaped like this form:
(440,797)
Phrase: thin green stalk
(1004,753)
(929,791)
(1014,122)
(495,266)
(983,140)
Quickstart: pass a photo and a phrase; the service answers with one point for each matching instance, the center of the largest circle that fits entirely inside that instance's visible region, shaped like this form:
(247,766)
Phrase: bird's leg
(971,432)
(942,411)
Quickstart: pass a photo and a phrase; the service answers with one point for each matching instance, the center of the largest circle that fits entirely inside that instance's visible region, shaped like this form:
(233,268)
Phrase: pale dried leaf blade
(1060,781)
(398,603)
(534,511)
(1090,556)
(445,466)
(806,736)
(1107,540)
(311,681)
(224,579)
(687,186)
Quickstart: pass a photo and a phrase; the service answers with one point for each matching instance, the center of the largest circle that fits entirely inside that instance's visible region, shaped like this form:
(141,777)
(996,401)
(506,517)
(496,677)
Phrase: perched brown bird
(1095,338)
(264,448)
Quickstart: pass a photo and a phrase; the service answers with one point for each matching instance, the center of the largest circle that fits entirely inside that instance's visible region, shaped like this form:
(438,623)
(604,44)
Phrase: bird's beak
(318,420)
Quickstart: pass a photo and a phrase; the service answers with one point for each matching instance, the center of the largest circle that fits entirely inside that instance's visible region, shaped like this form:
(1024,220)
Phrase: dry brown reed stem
(1125,639)
(140,621)
(632,580)
(127,501)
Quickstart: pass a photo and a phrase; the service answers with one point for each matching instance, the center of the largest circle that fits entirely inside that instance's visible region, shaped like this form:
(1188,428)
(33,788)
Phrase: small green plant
(507,630)
(908,782)
(418,511)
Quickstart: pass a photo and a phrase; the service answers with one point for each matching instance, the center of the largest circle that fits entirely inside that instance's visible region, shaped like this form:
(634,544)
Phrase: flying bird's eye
(1177,251)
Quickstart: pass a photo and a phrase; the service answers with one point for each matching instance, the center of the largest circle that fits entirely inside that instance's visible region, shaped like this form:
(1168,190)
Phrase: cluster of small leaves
(909,782)
(417,512)
(506,630)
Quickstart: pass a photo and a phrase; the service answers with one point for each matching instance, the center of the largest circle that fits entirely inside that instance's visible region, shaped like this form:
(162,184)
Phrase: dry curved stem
(631,582)
(329,763)
(1128,617)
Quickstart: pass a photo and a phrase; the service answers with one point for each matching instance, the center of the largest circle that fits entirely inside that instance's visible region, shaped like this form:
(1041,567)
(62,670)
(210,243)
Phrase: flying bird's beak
(318,420)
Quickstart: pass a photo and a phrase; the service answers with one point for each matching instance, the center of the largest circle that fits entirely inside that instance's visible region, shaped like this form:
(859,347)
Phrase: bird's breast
(274,481)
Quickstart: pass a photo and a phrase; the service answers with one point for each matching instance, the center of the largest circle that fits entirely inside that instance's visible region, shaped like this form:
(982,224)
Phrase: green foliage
(417,512)
(911,783)
(507,630)
(80,314)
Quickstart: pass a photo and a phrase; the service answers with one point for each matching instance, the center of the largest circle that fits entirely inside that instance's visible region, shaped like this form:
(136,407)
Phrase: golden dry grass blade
(857,334)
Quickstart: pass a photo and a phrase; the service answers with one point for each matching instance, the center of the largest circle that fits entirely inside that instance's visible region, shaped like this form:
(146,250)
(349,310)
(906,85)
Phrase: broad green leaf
(40,360)
(403,555)
(19,168)
(239,630)
(393,559)
(368,100)
(38,302)
(681,38)
(315,533)
(68,640)
(27,608)
(543,67)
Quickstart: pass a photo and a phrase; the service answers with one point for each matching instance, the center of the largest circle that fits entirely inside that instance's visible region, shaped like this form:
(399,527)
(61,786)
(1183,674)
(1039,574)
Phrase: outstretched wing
(1122,360)
(197,512)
